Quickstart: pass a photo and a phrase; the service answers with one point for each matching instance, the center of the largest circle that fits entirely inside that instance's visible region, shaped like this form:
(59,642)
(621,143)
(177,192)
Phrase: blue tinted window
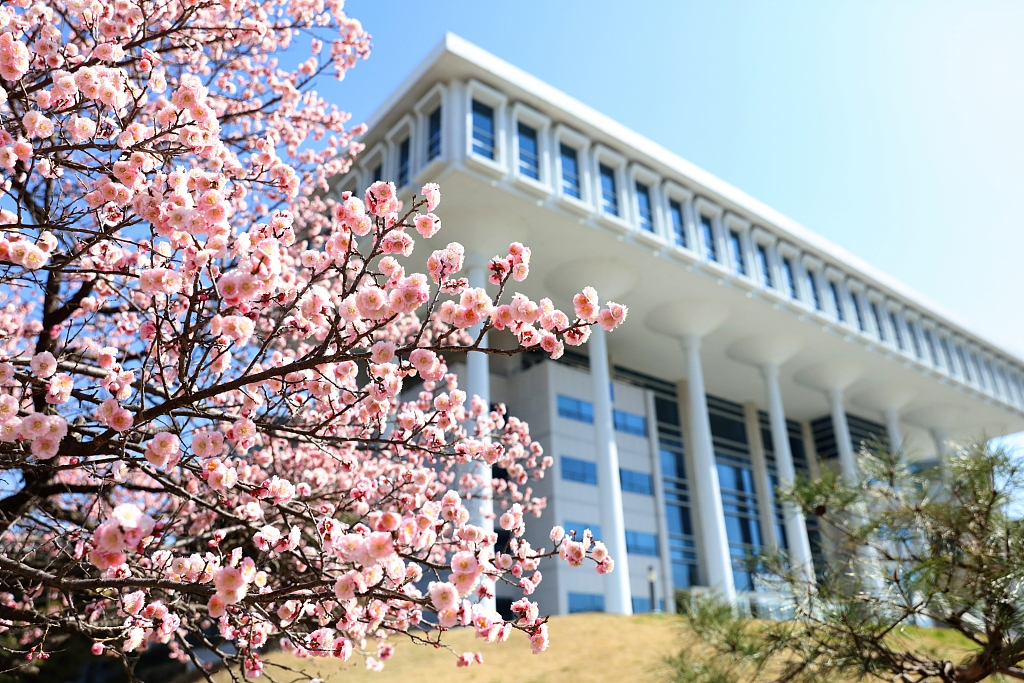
(736,253)
(787,277)
(570,171)
(378,173)
(575,409)
(629,423)
(636,482)
(640,543)
(529,158)
(609,193)
(582,471)
(483,130)
(643,203)
(896,331)
(641,605)
(857,312)
(403,163)
(812,290)
(578,527)
(675,212)
(837,302)
(434,134)
(708,235)
(585,602)
(679,522)
(762,265)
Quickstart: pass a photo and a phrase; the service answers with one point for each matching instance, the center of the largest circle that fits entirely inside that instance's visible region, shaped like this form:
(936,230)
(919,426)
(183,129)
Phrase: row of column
(710,517)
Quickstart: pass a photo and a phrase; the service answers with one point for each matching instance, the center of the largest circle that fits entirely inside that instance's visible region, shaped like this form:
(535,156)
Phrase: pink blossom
(432,193)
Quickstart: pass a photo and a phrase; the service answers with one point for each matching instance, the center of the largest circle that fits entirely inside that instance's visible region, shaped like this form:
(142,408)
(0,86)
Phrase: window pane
(641,543)
(736,253)
(812,290)
(575,409)
(857,312)
(378,173)
(675,210)
(403,163)
(583,471)
(570,172)
(837,303)
(585,602)
(609,195)
(434,135)
(579,527)
(708,235)
(529,159)
(894,323)
(762,265)
(643,202)
(483,130)
(629,423)
(787,277)
(636,482)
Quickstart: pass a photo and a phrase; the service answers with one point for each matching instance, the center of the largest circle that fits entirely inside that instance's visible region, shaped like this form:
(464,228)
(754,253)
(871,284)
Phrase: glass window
(933,348)
(583,471)
(483,130)
(736,253)
(837,302)
(585,602)
(640,543)
(629,423)
(812,289)
(403,163)
(570,171)
(675,212)
(858,314)
(434,134)
(378,173)
(643,204)
(708,235)
(787,277)
(609,194)
(912,331)
(636,482)
(575,409)
(895,324)
(763,267)
(578,527)
(529,157)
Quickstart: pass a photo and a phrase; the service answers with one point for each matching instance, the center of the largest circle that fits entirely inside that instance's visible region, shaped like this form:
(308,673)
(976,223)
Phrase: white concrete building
(754,348)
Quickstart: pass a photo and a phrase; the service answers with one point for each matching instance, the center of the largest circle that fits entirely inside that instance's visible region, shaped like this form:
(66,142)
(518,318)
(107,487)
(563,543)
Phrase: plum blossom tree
(226,417)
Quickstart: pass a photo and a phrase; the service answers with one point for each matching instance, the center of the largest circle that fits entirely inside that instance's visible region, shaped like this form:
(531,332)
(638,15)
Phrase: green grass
(585,648)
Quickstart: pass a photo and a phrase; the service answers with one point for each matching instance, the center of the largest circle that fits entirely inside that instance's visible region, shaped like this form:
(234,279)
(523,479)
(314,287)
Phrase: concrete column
(664,543)
(617,598)
(892,428)
(844,443)
(478,383)
(714,540)
(796,526)
(765,491)
(939,435)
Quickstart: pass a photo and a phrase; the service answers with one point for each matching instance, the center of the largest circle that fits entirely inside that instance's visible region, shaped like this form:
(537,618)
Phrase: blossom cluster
(224,397)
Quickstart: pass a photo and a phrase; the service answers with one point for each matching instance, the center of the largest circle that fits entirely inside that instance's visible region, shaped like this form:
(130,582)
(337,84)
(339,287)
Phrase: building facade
(754,350)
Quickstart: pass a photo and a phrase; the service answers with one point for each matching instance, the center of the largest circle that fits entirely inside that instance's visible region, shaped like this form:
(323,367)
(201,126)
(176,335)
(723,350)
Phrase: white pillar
(714,540)
(892,428)
(796,526)
(478,383)
(617,597)
(844,442)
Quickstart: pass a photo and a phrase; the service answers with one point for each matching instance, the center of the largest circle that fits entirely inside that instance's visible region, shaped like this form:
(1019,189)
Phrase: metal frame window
(529,151)
(585,602)
(736,255)
(682,543)
(434,134)
(579,527)
(642,543)
(571,182)
(644,208)
(484,135)
(788,276)
(678,220)
(707,235)
(575,409)
(763,265)
(629,423)
(609,190)
(582,471)
(836,299)
(636,482)
(404,162)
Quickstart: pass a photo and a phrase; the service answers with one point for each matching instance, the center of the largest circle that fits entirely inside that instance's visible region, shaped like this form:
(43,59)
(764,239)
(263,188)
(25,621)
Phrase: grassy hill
(585,648)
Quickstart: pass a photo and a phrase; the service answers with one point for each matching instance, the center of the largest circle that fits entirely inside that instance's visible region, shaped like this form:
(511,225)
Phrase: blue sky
(893,129)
